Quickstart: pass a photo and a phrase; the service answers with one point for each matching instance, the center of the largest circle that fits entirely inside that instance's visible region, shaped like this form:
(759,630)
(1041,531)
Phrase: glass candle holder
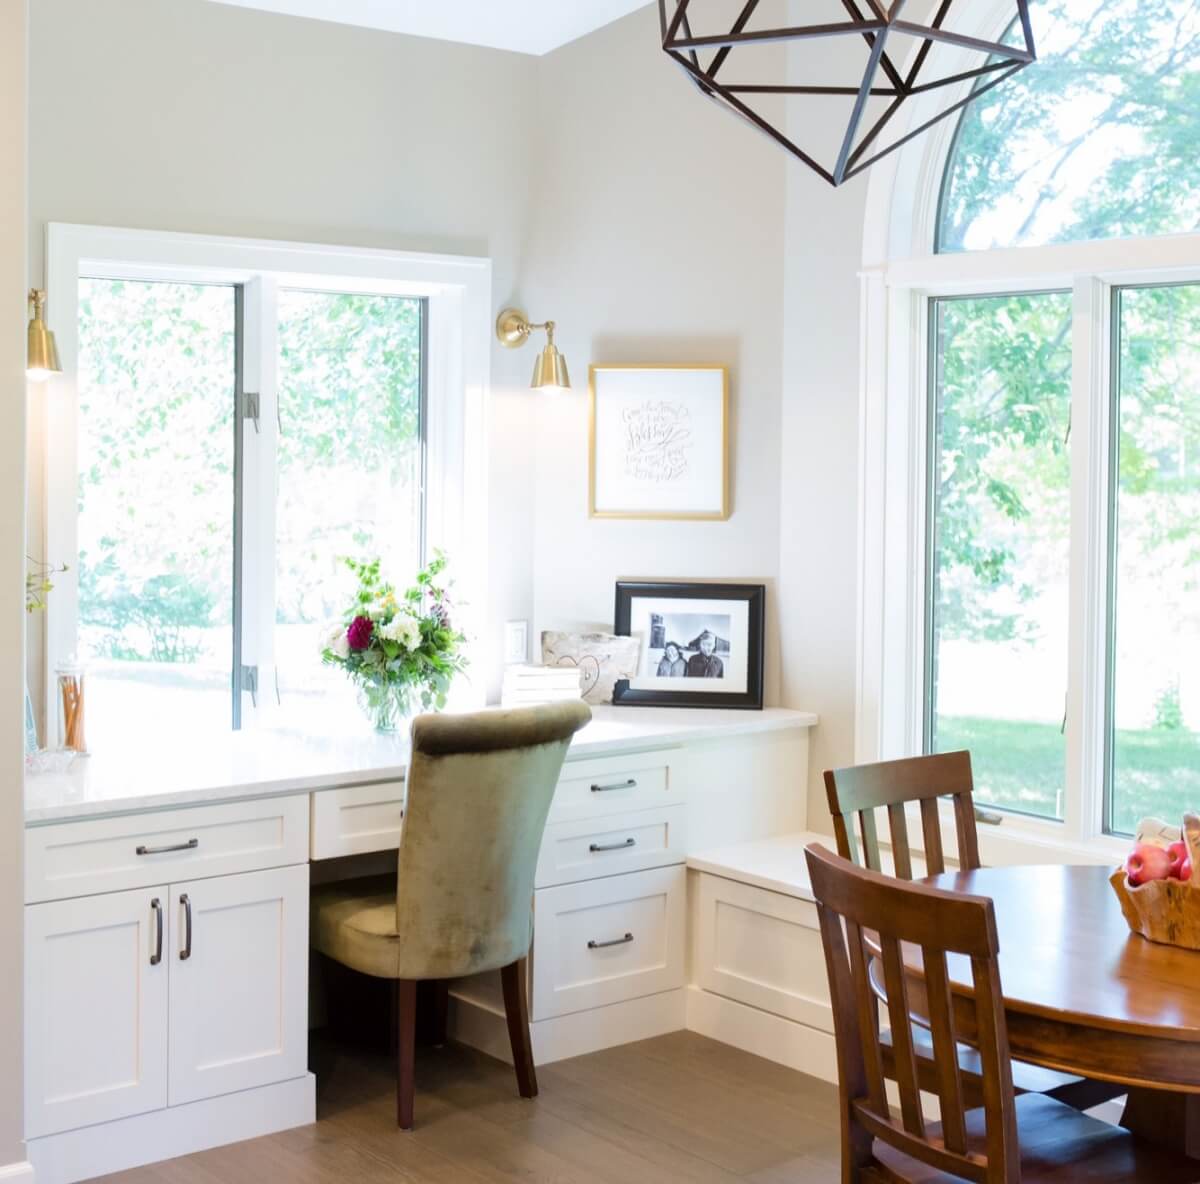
(71,688)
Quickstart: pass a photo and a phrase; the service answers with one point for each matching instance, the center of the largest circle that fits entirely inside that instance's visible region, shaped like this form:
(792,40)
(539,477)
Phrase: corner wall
(657,237)
(13,186)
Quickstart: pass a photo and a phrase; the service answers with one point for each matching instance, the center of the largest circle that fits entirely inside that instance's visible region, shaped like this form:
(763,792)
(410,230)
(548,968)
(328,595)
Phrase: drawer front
(608,846)
(140,850)
(761,948)
(615,785)
(604,941)
(357,819)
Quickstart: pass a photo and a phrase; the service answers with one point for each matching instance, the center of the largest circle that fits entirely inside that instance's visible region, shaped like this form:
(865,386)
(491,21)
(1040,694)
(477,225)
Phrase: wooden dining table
(1084,995)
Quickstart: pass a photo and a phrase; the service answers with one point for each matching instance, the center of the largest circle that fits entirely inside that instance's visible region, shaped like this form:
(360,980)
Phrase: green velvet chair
(479,789)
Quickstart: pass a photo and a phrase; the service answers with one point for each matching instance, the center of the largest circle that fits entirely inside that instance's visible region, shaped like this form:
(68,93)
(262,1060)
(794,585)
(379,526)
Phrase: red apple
(1146,863)
(1185,870)
(1178,854)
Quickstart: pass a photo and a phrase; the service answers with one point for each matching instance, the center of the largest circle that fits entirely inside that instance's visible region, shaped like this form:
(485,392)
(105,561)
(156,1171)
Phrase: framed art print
(658,442)
(702,644)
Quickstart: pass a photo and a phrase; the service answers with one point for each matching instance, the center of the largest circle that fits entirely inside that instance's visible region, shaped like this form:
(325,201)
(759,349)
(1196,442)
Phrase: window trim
(901,274)
(457,292)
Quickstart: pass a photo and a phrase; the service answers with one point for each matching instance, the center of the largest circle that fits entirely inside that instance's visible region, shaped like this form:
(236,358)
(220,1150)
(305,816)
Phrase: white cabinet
(239,982)
(96,985)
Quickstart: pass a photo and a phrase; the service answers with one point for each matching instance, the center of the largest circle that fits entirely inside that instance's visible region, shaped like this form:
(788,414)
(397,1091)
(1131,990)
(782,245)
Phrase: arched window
(1032,430)
(1099,139)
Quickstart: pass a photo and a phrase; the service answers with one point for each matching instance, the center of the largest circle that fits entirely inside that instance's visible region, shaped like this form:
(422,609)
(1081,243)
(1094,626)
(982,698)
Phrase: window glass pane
(1097,139)
(1155,690)
(156,400)
(998,562)
(349,483)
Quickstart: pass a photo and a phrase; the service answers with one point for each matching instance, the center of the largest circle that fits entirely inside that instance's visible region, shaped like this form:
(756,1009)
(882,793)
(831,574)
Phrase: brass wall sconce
(42,355)
(513,328)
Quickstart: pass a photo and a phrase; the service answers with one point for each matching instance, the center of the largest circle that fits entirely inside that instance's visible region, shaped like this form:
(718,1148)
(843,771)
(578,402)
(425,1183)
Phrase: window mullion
(261,442)
(1086,712)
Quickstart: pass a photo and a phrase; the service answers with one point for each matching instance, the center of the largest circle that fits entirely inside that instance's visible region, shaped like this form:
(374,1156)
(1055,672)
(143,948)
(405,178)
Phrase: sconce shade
(41,359)
(550,370)
(513,328)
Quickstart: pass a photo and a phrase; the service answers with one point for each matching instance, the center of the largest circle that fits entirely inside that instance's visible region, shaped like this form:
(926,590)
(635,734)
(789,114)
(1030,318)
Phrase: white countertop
(264,763)
(776,864)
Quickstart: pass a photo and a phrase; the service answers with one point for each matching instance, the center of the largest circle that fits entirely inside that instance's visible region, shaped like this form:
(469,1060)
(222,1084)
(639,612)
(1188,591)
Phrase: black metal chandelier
(882,79)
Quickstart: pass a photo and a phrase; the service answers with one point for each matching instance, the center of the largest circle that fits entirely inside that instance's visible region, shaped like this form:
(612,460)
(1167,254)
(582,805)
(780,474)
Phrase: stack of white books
(525,685)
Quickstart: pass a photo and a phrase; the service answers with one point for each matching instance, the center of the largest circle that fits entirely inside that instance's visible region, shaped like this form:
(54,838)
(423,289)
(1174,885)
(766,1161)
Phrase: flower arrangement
(401,651)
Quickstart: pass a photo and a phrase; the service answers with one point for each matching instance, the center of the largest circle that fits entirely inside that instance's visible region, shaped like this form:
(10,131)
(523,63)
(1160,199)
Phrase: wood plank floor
(678,1108)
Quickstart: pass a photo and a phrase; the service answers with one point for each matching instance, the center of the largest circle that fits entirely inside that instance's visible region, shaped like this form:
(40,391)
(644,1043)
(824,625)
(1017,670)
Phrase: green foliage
(1001,465)
(1098,139)
(1168,713)
(156,457)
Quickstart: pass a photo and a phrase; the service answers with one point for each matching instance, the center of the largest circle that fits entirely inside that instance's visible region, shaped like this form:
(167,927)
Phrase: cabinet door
(95,1009)
(239,982)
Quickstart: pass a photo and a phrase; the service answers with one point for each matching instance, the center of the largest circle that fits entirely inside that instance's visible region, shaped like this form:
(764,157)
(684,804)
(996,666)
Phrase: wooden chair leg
(406,1047)
(516,1010)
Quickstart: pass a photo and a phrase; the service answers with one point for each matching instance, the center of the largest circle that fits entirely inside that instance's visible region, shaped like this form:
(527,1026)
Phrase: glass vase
(389,707)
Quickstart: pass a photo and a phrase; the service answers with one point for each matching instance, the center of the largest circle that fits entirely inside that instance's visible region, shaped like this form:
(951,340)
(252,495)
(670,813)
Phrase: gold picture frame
(718,513)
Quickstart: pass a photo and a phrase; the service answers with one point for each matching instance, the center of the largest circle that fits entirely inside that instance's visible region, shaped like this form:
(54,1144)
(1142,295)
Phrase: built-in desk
(167,914)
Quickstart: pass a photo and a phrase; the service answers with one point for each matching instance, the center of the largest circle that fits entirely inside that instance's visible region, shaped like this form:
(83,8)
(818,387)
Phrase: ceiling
(526,26)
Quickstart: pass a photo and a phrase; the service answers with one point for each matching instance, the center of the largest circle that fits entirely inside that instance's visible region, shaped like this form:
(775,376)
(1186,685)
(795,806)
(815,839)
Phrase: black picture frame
(753,595)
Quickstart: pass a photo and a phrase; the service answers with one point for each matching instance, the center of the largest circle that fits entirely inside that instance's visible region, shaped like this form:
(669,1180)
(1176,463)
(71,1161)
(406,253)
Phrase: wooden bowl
(1165,911)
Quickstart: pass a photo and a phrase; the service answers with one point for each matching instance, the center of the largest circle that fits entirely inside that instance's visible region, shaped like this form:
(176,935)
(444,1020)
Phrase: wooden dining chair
(478,794)
(854,794)
(1029,1138)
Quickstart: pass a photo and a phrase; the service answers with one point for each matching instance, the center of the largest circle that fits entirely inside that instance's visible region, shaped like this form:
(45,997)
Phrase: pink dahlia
(358,636)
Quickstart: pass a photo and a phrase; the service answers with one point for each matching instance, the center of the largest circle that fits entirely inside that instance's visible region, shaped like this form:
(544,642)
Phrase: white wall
(186,115)
(13,25)
(658,237)
(818,556)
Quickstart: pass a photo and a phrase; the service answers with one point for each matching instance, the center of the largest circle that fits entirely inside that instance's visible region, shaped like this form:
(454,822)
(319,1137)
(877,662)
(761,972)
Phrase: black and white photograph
(702,644)
(688,645)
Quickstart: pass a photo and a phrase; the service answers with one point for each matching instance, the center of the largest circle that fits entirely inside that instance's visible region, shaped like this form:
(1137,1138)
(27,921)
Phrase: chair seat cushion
(1060,1145)
(354,923)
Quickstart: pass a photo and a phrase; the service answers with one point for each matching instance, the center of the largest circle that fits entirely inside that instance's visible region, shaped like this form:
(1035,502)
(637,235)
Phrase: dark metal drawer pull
(190,845)
(613,846)
(616,941)
(630,784)
(156,957)
(186,952)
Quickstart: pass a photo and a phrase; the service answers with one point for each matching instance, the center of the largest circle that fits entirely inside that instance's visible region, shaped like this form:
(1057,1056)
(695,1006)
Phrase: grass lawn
(1022,766)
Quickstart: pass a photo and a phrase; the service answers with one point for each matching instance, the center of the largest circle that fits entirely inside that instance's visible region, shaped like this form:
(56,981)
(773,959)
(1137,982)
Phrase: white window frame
(458,294)
(901,276)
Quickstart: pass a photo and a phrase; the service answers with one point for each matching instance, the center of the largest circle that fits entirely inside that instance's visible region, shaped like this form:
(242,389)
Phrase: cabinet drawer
(591,847)
(616,785)
(139,850)
(761,948)
(603,941)
(357,819)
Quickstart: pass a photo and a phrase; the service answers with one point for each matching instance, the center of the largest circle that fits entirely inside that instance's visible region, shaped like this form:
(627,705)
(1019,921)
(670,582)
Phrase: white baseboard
(164,1134)
(16,1173)
(474,1023)
(771,1036)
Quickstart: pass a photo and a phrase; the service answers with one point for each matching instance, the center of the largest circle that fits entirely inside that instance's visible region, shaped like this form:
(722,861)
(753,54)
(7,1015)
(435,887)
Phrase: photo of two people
(688,645)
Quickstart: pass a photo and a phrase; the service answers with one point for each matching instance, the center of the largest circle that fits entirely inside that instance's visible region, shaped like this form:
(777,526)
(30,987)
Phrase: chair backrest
(856,906)
(479,790)
(855,794)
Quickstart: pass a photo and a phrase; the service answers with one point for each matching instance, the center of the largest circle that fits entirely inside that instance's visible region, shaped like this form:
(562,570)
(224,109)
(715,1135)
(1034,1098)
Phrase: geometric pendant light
(889,39)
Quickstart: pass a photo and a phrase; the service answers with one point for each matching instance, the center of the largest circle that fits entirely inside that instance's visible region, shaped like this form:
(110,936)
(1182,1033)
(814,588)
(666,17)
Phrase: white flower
(337,642)
(403,629)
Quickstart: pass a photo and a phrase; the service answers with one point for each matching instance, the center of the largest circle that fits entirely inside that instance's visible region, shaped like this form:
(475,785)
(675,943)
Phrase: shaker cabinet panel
(239,982)
(96,983)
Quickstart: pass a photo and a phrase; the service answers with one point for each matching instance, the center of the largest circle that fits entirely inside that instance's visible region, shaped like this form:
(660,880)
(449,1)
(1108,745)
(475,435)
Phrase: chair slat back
(856,793)
(856,907)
